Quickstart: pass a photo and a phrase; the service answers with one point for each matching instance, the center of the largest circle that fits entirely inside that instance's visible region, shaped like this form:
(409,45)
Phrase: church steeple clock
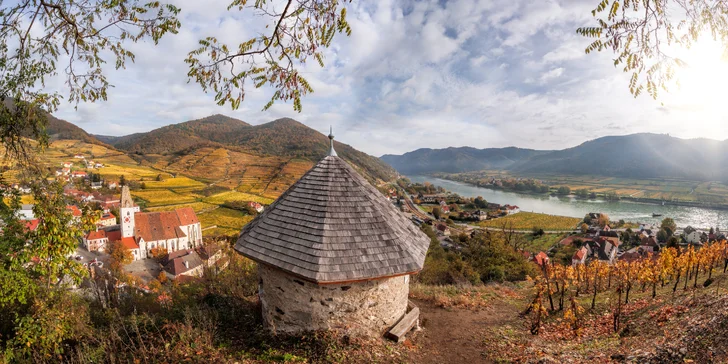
(127,211)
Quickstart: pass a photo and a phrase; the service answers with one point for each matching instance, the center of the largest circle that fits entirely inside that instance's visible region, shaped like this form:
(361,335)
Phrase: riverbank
(632,210)
(599,196)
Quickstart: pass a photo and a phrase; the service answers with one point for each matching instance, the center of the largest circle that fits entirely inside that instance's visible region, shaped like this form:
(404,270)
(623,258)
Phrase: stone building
(333,253)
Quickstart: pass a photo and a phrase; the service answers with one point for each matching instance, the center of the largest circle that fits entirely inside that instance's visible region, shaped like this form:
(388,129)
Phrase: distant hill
(283,137)
(636,156)
(632,156)
(209,131)
(59,129)
(454,160)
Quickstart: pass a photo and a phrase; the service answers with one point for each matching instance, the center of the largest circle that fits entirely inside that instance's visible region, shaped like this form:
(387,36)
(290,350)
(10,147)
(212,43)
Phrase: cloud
(413,74)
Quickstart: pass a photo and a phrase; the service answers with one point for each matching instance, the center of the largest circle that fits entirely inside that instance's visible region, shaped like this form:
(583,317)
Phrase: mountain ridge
(641,155)
(284,137)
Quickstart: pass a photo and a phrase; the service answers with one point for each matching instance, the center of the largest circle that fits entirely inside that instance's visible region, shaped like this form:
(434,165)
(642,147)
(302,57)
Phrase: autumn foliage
(559,287)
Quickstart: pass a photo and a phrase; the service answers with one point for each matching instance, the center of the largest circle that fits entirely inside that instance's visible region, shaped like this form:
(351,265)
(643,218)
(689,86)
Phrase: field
(228,221)
(231,175)
(675,190)
(529,220)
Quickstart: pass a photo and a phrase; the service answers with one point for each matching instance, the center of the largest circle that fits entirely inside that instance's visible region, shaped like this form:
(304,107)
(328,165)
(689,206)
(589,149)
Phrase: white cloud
(413,74)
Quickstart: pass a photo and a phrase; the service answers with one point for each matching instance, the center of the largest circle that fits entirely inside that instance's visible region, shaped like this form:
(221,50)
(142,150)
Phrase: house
(212,256)
(99,165)
(606,248)
(256,206)
(96,241)
(107,219)
(480,215)
(106,202)
(67,164)
(580,256)
(112,185)
(96,185)
(78,174)
(65,171)
(541,259)
(434,198)
(26,212)
(171,230)
(443,229)
(649,244)
(79,156)
(75,211)
(692,236)
(512,209)
(184,263)
(31,225)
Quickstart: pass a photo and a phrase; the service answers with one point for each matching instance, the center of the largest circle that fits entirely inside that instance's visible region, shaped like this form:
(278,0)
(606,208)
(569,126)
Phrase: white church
(143,231)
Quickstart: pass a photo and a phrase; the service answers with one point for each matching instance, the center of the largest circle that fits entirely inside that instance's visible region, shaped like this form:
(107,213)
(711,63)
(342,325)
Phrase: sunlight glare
(703,84)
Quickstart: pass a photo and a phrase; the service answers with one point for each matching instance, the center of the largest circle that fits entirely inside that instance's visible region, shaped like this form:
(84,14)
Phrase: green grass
(529,220)
(542,243)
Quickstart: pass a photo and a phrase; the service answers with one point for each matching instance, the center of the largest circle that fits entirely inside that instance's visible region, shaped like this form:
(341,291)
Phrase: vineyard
(529,220)
(572,290)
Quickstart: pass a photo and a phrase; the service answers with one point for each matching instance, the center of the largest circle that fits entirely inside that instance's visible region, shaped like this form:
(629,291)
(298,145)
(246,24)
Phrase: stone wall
(291,304)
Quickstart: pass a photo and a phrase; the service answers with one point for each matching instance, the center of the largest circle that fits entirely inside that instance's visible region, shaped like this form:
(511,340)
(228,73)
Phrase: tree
(74,35)
(119,256)
(662,236)
(669,225)
(122,180)
(587,219)
(436,212)
(564,190)
(302,29)
(584,228)
(480,202)
(603,220)
(638,41)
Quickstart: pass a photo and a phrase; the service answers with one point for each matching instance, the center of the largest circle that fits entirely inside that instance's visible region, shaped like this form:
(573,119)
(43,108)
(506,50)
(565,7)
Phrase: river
(568,206)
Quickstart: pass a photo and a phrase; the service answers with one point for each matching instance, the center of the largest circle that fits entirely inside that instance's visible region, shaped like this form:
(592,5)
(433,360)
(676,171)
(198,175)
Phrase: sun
(703,83)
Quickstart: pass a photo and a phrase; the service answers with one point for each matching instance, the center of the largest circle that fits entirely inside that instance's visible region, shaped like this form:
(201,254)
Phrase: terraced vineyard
(203,179)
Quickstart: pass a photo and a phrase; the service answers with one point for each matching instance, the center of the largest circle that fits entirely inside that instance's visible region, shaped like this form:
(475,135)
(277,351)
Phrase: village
(595,237)
(162,245)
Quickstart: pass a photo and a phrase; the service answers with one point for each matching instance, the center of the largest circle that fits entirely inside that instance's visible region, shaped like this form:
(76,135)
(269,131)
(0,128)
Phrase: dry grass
(472,297)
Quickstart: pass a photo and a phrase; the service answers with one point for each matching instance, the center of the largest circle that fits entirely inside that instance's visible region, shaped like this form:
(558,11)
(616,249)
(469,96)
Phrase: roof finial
(332,152)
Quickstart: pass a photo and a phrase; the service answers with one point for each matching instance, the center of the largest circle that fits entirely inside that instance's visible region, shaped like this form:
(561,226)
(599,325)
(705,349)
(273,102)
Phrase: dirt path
(457,335)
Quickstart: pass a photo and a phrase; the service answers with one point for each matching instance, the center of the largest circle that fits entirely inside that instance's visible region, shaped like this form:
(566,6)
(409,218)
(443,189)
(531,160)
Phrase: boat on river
(656,215)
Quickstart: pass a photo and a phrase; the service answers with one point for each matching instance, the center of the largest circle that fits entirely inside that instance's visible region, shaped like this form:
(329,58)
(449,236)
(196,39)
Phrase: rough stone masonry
(360,308)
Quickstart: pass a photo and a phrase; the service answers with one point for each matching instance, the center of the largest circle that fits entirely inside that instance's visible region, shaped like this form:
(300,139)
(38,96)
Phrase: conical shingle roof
(333,226)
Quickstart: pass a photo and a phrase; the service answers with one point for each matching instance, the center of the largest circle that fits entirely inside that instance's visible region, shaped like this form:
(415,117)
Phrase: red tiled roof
(32,225)
(108,216)
(580,254)
(114,235)
(74,210)
(541,258)
(129,243)
(176,265)
(153,226)
(95,235)
(187,216)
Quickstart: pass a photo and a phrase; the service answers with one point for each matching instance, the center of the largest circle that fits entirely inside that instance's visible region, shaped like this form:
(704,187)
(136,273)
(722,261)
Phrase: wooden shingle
(333,226)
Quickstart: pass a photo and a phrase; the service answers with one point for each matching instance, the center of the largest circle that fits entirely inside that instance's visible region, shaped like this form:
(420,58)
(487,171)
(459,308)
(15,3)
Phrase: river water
(567,206)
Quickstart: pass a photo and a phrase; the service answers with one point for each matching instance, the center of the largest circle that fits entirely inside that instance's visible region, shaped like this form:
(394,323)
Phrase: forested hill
(60,129)
(454,160)
(637,156)
(174,138)
(283,137)
(629,156)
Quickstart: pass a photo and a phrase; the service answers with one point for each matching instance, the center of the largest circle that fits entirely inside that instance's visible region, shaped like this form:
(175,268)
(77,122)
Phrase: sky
(426,74)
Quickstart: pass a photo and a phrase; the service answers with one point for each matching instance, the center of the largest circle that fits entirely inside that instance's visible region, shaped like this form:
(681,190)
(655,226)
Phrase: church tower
(127,211)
